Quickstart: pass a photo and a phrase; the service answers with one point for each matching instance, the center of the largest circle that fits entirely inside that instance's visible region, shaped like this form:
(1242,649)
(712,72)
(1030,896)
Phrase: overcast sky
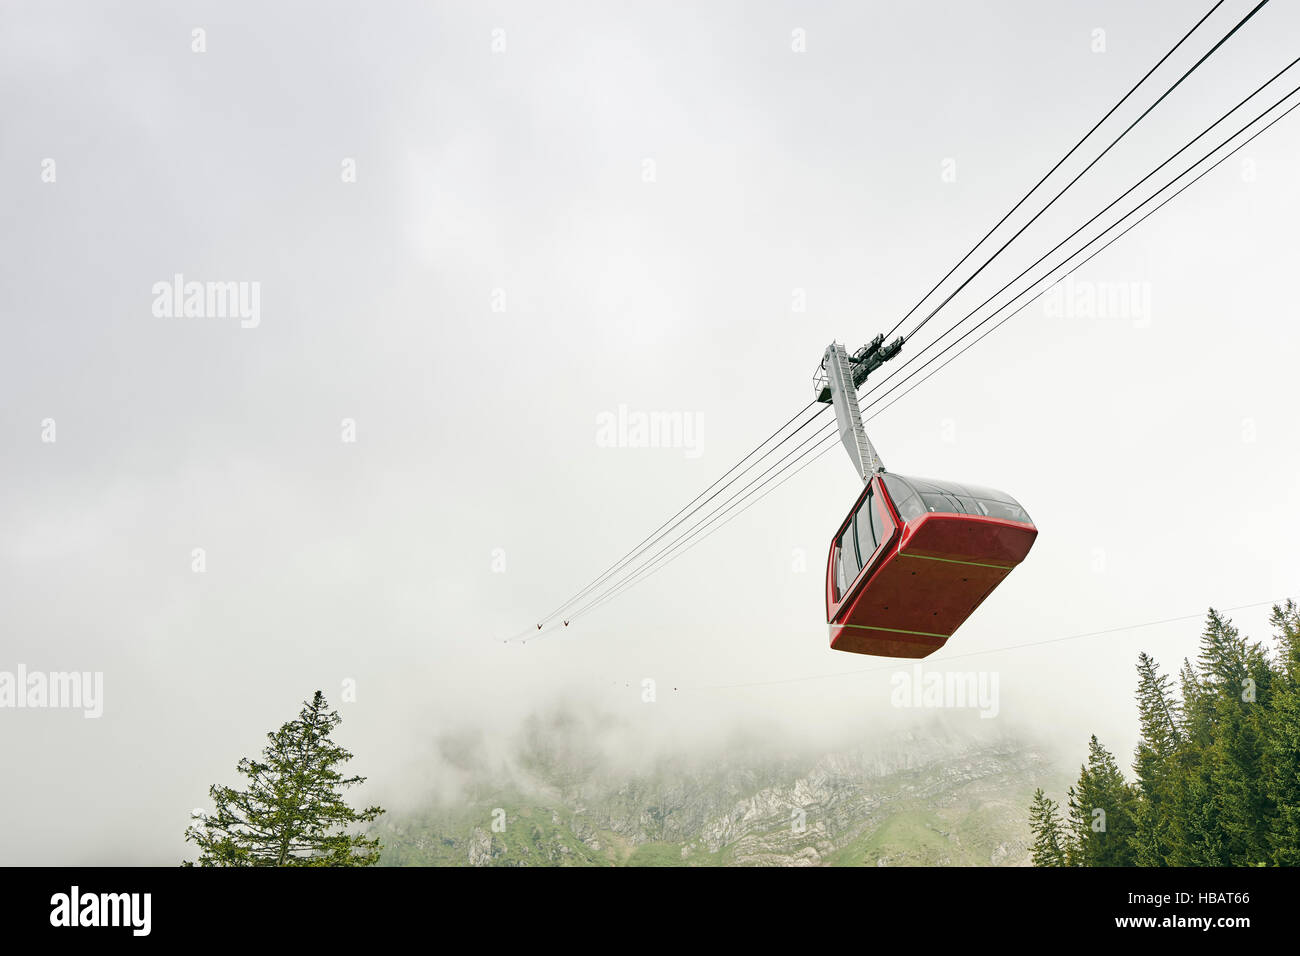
(558,210)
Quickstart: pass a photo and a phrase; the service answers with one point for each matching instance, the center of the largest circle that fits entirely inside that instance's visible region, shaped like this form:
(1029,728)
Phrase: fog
(477,232)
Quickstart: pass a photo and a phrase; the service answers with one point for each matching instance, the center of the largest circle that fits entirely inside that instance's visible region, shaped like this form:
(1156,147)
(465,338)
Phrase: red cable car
(914,559)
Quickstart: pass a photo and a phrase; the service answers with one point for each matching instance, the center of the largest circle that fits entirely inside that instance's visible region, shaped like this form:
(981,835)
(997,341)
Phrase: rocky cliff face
(932,797)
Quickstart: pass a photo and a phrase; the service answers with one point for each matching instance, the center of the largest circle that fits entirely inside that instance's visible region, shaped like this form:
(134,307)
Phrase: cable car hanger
(836,382)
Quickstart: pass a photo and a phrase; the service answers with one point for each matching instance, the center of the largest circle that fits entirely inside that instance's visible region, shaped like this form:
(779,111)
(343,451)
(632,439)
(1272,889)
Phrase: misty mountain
(560,795)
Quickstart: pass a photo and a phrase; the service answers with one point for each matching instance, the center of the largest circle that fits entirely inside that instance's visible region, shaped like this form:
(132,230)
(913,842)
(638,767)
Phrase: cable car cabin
(914,559)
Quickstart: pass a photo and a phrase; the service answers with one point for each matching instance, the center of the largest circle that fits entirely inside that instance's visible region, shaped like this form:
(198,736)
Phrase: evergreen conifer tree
(1049,838)
(1101,812)
(293,812)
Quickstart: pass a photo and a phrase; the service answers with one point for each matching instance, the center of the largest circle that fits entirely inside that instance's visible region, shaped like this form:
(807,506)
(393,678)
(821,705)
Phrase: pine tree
(1238,678)
(1195,722)
(1285,619)
(1223,657)
(1280,763)
(293,813)
(1193,817)
(1049,838)
(1154,764)
(1101,812)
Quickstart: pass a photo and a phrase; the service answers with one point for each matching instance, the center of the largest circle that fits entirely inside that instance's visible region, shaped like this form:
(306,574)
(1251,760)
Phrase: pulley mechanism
(837,381)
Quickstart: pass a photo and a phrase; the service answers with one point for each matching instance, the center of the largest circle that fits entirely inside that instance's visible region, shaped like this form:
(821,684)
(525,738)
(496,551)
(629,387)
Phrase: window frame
(881,515)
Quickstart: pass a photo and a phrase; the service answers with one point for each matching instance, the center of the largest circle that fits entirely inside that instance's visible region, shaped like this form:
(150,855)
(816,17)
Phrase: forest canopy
(1216,771)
